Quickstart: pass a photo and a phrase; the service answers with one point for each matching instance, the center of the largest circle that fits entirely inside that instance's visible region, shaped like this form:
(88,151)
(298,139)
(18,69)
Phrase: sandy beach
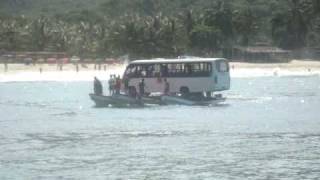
(293,65)
(293,68)
(52,72)
(86,72)
(17,68)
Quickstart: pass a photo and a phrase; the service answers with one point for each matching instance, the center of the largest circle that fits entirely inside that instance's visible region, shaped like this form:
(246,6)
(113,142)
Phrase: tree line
(153,28)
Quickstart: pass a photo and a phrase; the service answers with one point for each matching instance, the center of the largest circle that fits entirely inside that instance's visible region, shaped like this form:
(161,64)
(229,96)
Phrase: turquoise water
(269,128)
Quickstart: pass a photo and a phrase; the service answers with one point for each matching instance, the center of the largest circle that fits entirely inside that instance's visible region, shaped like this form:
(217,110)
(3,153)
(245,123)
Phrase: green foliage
(154,28)
(291,26)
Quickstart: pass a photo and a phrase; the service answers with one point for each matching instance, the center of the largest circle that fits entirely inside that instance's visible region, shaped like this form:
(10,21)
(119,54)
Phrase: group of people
(115,86)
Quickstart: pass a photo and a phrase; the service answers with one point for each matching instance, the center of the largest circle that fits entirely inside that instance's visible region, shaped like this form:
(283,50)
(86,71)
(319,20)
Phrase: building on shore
(261,54)
(30,57)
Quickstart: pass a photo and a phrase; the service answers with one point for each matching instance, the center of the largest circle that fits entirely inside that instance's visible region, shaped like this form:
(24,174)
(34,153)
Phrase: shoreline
(291,64)
(52,72)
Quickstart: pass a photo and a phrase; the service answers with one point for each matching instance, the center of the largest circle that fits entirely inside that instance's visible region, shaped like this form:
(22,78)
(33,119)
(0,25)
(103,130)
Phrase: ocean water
(269,128)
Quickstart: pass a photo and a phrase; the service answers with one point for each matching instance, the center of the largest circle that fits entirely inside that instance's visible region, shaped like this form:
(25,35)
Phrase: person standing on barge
(97,86)
(166,87)
(141,87)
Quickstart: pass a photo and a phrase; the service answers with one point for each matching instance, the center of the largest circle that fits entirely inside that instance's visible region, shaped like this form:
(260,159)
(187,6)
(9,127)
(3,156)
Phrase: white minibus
(191,75)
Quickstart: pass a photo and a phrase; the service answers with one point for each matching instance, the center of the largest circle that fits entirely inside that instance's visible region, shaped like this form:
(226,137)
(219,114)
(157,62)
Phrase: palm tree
(12,32)
(245,24)
(40,33)
(290,28)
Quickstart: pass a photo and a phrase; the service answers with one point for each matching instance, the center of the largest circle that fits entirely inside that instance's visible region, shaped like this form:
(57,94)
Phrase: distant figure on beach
(84,66)
(141,87)
(97,86)
(77,67)
(40,70)
(5,66)
(118,84)
(60,65)
(166,87)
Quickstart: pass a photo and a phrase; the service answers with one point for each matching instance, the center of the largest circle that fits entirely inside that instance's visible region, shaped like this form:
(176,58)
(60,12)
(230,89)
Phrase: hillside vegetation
(156,28)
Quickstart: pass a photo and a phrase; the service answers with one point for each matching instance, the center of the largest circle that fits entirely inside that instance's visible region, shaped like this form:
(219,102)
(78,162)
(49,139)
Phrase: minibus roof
(187,60)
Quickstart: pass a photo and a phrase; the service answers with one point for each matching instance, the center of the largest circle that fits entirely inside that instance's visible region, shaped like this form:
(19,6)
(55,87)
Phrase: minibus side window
(130,71)
(164,70)
(149,69)
(222,66)
(157,70)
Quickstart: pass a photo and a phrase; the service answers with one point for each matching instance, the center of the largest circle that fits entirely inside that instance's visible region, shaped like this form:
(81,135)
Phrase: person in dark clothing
(141,87)
(118,84)
(166,87)
(77,67)
(5,66)
(97,86)
(111,86)
(132,92)
(126,84)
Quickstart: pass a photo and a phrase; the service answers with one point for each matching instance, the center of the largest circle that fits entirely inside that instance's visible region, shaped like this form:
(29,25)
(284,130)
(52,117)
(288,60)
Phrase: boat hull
(126,101)
(176,100)
(114,100)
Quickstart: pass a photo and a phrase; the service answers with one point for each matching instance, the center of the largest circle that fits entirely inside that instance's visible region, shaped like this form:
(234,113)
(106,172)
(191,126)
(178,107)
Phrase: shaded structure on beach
(261,54)
(31,57)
